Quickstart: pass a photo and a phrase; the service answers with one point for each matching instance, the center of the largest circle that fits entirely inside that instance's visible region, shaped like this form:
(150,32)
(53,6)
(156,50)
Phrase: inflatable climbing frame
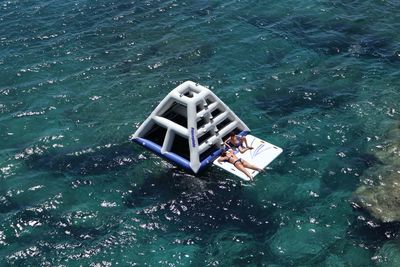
(188,127)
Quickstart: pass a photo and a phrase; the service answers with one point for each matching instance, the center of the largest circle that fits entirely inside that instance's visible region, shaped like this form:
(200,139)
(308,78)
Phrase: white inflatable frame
(189,126)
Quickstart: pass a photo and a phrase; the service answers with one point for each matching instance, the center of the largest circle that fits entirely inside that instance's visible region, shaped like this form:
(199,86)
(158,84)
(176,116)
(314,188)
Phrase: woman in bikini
(239,163)
(235,141)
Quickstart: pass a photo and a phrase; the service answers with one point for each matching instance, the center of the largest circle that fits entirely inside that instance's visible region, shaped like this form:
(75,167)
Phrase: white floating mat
(262,154)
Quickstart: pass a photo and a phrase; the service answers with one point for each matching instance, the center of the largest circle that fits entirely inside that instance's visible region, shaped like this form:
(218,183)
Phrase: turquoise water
(318,78)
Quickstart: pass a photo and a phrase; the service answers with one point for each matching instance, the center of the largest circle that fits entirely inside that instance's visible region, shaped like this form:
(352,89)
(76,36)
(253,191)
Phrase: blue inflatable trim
(207,161)
(243,133)
(184,163)
(174,158)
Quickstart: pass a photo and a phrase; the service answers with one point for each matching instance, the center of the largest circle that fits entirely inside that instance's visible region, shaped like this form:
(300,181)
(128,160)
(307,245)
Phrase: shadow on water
(7,203)
(198,54)
(330,37)
(344,174)
(199,204)
(85,161)
(179,202)
(299,98)
(204,11)
(51,232)
(370,231)
(37,216)
(204,203)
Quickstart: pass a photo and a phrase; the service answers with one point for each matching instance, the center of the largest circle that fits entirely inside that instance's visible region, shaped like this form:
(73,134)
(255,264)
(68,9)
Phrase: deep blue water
(318,78)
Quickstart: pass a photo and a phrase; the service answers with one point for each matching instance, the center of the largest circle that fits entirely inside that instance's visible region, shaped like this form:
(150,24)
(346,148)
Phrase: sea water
(318,78)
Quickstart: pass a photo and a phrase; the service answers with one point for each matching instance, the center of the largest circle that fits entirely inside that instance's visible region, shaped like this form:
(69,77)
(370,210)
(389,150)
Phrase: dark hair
(223,153)
(232,134)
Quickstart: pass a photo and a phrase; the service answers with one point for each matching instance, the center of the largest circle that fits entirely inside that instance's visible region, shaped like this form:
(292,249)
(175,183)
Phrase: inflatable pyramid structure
(188,127)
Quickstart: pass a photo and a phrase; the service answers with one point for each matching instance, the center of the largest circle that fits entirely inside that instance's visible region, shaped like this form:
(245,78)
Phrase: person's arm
(226,143)
(221,159)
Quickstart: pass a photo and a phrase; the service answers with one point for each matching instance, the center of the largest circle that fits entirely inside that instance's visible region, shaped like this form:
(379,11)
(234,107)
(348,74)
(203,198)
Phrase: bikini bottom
(236,161)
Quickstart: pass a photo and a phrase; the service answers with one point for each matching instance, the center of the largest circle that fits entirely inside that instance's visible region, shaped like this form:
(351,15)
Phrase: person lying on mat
(240,164)
(234,141)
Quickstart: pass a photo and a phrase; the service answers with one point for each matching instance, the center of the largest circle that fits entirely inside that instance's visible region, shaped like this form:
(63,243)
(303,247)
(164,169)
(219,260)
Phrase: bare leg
(240,167)
(242,149)
(251,166)
(244,140)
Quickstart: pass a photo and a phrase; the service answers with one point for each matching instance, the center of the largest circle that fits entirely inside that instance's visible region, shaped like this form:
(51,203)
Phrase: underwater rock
(390,154)
(381,201)
(381,198)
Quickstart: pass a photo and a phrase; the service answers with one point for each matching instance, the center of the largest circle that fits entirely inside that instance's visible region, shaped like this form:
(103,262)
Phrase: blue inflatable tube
(174,158)
(178,160)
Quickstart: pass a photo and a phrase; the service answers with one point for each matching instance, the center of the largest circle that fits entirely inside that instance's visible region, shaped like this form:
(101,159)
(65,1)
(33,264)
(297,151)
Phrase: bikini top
(229,157)
(239,143)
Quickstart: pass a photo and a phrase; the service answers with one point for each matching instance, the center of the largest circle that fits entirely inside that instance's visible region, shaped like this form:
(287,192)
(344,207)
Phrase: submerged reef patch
(380,192)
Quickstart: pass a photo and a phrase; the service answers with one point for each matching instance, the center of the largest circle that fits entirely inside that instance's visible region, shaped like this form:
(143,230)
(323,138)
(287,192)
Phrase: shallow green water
(318,78)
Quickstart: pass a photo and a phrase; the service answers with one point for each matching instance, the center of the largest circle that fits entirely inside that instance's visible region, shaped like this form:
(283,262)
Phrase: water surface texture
(318,78)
